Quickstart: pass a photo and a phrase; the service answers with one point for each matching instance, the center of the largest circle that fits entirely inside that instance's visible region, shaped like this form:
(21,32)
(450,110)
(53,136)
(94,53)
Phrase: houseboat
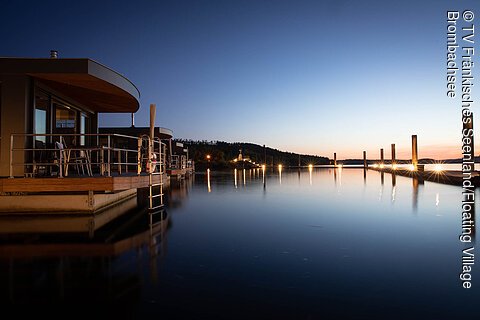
(177,161)
(52,157)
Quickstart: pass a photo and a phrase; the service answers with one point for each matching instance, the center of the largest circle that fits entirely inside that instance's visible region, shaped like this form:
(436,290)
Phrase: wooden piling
(381,157)
(394,160)
(153,110)
(414,152)
(334,159)
(265,155)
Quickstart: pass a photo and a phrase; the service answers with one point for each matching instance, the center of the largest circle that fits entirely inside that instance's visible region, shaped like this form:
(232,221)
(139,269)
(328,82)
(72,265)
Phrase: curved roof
(90,83)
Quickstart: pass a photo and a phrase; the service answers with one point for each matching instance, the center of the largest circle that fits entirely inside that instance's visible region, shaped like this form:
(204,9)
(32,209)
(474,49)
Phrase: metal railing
(180,162)
(99,154)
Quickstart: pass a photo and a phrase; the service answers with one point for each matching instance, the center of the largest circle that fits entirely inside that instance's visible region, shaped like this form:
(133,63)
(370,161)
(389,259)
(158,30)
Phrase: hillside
(222,153)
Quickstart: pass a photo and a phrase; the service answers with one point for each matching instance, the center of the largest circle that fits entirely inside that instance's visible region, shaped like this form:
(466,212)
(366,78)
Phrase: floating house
(177,161)
(52,156)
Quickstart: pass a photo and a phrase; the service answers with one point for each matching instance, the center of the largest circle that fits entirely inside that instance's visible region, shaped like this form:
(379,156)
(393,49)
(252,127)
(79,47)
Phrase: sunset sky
(313,77)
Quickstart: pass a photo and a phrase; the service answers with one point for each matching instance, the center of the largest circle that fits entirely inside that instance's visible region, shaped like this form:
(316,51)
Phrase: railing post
(60,159)
(139,155)
(11,156)
(108,156)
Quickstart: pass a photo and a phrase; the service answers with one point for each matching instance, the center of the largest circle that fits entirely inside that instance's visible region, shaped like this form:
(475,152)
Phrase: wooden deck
(76,184)
(445,177)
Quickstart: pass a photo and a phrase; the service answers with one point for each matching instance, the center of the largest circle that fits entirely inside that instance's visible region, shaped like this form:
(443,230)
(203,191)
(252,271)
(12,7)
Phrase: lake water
(309,244)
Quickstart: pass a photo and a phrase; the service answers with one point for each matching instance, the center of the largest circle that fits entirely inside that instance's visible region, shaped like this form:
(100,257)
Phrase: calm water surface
(309,244)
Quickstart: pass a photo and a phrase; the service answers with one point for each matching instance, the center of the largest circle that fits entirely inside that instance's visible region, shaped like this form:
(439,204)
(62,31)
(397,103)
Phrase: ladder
(155,168)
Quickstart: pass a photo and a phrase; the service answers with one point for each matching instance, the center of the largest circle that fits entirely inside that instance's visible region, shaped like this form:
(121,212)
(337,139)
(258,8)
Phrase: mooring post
(414,152)
(334,159)
(381,157)
(265,155)
(365,159)
(394,160)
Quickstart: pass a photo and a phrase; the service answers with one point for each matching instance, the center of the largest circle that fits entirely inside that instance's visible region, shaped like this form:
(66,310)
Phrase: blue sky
(314,77)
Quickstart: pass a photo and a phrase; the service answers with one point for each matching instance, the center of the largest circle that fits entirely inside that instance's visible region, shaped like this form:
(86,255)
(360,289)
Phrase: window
(83,125)
(64,117)
(42,104)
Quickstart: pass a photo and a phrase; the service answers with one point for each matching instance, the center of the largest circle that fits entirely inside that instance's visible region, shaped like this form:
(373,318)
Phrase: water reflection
(235,177)
(209,187)
(415,183)
(233,246)
(47,268)
(310,172)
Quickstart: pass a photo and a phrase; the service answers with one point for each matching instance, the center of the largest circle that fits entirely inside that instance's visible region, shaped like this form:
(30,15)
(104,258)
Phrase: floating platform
(445,177)
(69,195)
(64,222)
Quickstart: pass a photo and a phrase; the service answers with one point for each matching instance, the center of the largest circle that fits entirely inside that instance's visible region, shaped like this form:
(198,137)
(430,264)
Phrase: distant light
(375,165)
(310,166)
(382,166)
(208,156)
(438,167)
(394,167)
(263,166)
(411,167)
(340,166)
(279,167)
(235,160)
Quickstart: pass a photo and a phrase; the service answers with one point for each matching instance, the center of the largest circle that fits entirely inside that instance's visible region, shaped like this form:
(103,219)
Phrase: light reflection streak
(208,181)
(235,175)
(310,171)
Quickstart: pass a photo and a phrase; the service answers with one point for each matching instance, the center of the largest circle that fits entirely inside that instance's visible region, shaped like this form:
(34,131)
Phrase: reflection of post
(394,180)
(335,176)
(263,175)
(414,152)
(382,177)
(208,181)
(153,252)
(365,175)
(415,183)
(310,171)
(365,159)
(235,177)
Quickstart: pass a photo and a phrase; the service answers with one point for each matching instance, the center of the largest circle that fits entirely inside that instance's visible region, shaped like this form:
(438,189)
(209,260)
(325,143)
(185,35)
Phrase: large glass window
(42,105)
(83,125)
